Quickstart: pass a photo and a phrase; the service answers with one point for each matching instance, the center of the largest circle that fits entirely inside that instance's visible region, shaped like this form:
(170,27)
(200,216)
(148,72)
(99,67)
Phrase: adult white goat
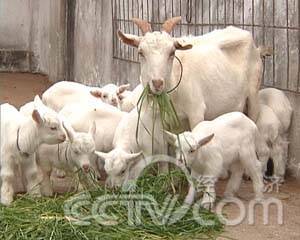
(63,93)
(273,123)
(20,137)
(219,74)
(228,142)
(75,153)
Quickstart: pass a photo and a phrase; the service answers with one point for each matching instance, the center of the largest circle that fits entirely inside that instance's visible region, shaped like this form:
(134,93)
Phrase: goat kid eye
(53,128)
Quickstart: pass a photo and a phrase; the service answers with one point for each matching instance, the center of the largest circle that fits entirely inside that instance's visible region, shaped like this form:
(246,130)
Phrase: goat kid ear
(36,116)
(93,129)
(132,158)
(69,131)
(129,39)
(101,155)
(37,101)
(182,46)
(205,140)
(96,93)
(170,137)
(123,88)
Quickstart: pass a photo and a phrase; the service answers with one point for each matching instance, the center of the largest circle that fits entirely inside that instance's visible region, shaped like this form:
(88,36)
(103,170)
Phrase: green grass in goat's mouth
(166,109)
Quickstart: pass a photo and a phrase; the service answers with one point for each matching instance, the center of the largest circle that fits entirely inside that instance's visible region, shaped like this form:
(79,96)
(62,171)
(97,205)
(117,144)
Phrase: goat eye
(122,172)
(53,128)
(105,96)
(191,150)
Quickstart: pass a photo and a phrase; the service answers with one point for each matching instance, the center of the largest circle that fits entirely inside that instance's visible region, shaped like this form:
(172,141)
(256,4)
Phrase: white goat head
(48,122)
(189,145)
(110,93)
(81,146)
(117,164)
(157,52)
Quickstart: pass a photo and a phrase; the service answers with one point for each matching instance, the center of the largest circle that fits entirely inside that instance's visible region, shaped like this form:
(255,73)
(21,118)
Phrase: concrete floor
(19,88)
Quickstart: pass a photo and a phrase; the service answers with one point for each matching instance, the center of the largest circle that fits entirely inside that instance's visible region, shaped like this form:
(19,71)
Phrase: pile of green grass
(44,218)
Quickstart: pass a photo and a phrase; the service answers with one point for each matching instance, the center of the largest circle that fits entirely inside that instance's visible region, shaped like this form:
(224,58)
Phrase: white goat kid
(128,150)
(226,143)
(273,123)
(75,153)
(129,99)
(20,137)
(113,94)
(62,93)
(280,105)
(107,118)
(81,116)
(221,73)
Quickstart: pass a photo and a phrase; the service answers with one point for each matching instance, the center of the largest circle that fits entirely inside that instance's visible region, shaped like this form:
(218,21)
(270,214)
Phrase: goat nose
(157,83)
(86,167)
(114,101)
(63,137)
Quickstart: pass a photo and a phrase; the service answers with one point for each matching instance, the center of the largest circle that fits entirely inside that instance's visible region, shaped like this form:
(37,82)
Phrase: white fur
(280,105)
(232,147)
(127,152)
(62,93)
(221,71)
(44,126)
(273,123)
(112,94)
(81,116)
(129,99)
(75,153)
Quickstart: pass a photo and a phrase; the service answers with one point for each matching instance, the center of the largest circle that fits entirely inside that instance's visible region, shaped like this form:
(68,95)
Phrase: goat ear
(123,88)
(37,101)
(182,46)
(93,129)
(96,93)
(205,140)
(129,39)
(132,158)
(170,137)
(69,131)
(101,155)
(36,116)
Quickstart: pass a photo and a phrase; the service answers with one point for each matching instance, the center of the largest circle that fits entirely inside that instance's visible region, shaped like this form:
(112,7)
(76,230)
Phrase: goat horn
(143,25)
(170,24)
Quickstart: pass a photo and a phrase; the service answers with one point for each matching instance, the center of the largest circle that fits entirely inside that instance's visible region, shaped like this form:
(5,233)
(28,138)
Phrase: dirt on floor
(19,88)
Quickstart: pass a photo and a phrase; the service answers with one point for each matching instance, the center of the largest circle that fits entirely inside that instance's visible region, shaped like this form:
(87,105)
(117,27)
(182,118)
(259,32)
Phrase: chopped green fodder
(44,218)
